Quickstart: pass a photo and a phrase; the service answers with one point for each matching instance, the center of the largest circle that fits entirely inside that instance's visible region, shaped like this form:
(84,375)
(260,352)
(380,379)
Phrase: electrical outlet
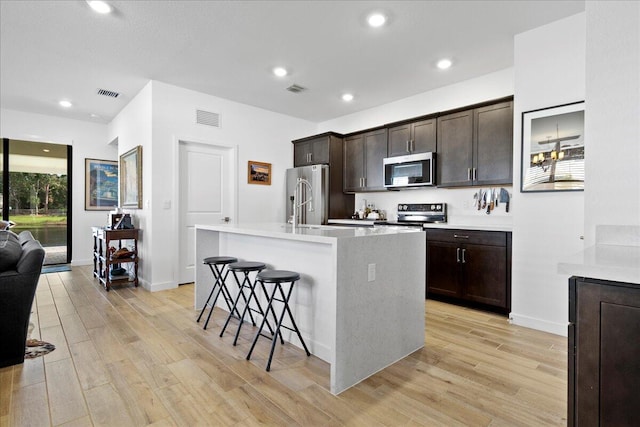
(371,272)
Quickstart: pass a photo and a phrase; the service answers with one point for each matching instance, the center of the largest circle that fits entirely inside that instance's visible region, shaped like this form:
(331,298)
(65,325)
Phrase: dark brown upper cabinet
(363,155)
(326,148)
(413,137)
(314,150)
(475,146)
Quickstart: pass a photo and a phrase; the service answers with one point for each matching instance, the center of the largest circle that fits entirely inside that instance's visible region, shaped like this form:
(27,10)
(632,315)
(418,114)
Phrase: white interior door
(206,196)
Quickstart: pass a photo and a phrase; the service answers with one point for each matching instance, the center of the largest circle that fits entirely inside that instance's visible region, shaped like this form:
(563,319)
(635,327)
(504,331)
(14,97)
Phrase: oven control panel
(422,212)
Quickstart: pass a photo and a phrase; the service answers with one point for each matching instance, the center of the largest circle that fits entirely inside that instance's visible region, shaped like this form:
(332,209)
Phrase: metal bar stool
(277,277)
(245,267)
(217,265)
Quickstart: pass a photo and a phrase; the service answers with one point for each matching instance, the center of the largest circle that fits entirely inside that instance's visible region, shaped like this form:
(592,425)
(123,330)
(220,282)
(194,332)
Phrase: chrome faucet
(297,195)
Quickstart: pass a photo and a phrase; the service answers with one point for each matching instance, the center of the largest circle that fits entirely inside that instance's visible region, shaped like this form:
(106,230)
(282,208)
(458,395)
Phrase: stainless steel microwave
(414,170)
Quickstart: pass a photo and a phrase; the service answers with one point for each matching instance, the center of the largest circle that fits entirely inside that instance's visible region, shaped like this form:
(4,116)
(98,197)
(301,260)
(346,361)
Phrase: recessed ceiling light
(94,115)
(280,71)
(65,103)
(443,64)
(376,20)
(100,6)
(347,97)
(46,150)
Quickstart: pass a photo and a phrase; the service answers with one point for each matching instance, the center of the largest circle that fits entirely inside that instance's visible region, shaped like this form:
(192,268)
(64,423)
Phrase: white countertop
(463,226)
(309,233)
(606,262)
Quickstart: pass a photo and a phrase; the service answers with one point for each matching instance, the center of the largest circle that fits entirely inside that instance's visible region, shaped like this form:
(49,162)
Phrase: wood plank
(65,394)
(30,406)
(107,407)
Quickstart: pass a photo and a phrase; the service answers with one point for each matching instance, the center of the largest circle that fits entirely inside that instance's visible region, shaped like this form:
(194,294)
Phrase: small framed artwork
(259,173)
(100,184)
(553,149)
(131,178)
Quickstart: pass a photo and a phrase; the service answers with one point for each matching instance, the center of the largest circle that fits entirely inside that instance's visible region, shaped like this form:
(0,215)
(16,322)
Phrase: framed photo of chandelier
(553,149)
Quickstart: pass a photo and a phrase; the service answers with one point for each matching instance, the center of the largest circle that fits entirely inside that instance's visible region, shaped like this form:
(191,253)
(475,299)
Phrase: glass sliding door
(36,194)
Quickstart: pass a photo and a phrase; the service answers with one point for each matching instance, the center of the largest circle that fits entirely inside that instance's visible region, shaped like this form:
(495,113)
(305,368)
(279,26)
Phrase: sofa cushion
(24,237)
(32,258)
(10,250)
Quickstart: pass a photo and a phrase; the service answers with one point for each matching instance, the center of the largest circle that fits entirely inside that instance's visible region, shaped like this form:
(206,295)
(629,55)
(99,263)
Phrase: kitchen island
(360,301)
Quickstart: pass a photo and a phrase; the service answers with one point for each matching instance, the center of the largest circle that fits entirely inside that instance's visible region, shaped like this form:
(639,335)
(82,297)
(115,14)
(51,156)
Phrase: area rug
(55,269)
(36,348)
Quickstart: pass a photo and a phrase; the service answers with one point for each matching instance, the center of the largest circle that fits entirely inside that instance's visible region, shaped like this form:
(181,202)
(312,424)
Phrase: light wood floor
(131,358)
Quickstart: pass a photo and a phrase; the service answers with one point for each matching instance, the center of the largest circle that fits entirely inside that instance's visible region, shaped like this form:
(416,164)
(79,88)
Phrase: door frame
(4,175)
(233,175)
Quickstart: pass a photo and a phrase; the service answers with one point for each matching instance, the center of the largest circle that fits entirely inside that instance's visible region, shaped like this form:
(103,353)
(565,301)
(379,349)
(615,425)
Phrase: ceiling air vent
(296,89)
(108,93)
(207,118)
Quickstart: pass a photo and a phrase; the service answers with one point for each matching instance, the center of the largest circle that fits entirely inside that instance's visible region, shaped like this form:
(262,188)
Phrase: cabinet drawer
(493,238)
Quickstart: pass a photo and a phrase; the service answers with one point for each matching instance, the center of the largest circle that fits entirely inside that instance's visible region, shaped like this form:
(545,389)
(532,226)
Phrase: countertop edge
(606,262)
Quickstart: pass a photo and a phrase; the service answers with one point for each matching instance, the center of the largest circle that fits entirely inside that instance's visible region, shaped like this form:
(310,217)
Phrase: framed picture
(259,173)
(100,184)
(553,149)
(131,178)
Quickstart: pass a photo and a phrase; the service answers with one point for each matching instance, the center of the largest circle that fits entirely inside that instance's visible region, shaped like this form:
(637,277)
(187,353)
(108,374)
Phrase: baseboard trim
(156,287)
(539,324)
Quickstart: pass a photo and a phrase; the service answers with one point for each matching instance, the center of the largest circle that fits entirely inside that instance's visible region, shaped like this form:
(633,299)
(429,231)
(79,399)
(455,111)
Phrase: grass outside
(23,221)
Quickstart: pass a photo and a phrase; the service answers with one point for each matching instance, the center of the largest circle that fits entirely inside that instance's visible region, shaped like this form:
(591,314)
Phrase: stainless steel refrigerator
(316,194)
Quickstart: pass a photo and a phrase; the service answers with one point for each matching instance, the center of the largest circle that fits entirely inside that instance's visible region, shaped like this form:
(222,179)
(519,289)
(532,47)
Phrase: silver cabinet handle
(413,145)
(475,174)
(457,254)
(310,157)
(408,146)
(469,174)
(460,236)
(463,252)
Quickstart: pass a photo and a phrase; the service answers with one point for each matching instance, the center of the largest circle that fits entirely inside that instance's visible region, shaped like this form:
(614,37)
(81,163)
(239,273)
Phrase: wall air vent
(109,93)
(296,89)
(208,118)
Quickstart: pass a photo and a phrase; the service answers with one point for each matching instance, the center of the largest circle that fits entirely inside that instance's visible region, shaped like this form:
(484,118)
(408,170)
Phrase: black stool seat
(247,266)
(277,278)
(273,276)
(217,265)
(220,260)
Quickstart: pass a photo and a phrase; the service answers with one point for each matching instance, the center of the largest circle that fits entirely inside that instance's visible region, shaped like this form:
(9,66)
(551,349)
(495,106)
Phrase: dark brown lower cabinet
(604,353)
(470,266)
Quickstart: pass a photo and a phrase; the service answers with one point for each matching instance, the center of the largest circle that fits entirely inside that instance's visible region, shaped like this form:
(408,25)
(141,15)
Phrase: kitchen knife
(489,201)
(493,198)
(484,200)
(504,198)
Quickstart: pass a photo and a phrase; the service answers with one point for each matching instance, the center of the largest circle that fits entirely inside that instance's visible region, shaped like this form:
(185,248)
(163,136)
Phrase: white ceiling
(50,50)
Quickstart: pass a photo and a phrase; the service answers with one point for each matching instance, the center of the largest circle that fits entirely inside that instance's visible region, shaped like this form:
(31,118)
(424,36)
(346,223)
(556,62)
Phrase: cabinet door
(353,162)
(399,137)
(455,149)
(493,149)
(319,151)
(301,153)
(485,274)
(607,372)
(423,136)
(443,269)
(375,150)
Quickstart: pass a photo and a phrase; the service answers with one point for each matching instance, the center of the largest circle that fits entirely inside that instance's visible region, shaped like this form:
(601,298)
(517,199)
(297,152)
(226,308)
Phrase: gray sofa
(21,258)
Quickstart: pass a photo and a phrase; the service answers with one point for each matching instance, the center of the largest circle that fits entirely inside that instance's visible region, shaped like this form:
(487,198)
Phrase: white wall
(612,116)
(132,127)
(89,140)
(549,70)
(459,201)
(257,134)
